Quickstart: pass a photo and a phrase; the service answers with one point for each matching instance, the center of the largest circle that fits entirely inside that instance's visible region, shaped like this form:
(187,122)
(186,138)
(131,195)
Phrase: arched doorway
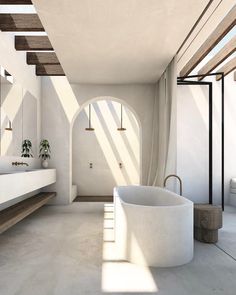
(105,157)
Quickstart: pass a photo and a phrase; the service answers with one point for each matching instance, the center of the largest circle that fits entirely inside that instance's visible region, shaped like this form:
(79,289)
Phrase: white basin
(17,183)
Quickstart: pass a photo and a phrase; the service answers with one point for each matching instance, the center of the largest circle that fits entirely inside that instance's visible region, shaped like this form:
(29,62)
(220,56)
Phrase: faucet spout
(19,164)
(180,182)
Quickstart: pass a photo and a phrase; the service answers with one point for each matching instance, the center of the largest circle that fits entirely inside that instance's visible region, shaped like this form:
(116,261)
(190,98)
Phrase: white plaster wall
(59,108)
(140,97)
(105,148)
(230,132)
(56,129)
(192,138)
(192,141)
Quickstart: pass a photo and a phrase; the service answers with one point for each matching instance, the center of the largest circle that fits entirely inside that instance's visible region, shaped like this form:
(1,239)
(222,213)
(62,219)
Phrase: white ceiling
(117,41)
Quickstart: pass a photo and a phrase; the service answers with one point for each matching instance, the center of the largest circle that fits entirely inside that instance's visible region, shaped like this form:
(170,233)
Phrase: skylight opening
(17,9)
(233,55)
(215,50)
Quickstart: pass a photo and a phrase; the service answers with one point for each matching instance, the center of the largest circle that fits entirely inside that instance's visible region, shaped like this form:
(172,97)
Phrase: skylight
(216,49)
(17,9)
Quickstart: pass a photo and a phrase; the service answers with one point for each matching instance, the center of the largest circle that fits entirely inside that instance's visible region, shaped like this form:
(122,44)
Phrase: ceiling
(117,41)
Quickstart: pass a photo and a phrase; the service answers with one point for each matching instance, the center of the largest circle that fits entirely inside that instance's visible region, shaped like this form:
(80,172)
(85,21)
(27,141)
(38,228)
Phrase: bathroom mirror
(29,118)
(18,116)
(11,115)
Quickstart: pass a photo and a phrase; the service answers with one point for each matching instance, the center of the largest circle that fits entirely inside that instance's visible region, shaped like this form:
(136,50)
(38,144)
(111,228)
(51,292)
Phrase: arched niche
(115,155)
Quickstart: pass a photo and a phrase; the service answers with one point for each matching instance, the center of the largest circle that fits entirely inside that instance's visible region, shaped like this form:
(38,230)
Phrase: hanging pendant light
(89,128)
(9,127)
(121,128)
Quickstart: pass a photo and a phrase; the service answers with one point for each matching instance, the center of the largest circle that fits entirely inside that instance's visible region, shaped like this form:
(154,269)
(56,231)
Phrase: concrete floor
(70,250)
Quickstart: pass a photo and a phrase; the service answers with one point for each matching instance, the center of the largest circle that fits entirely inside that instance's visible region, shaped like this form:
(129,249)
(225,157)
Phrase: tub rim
(187,202)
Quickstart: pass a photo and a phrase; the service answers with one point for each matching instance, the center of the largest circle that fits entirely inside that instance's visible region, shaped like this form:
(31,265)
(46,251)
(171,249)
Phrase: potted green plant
(44,152)
(26,147)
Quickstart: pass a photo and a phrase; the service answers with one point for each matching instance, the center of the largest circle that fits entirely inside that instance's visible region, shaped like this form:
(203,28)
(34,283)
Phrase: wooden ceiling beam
(49,70)
(222,55)
(227,68)
(33,43)
(20,22)
(46,58)
(16,2)
(221,30)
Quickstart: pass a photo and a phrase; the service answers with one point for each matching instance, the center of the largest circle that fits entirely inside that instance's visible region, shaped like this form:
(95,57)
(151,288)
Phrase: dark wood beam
(16,2)
(46,58)
(222,55)
(49,70)
(20,22)
(227,68)
(32,43)
(221,30)
(6,73)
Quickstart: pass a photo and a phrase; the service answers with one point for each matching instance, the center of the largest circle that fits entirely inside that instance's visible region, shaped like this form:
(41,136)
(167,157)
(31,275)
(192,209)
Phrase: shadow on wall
(115,155)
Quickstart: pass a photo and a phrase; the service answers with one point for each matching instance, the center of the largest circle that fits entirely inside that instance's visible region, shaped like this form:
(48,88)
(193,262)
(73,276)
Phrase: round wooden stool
(207,221)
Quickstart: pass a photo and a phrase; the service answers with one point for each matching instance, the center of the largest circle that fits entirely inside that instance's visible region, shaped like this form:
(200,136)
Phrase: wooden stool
(207,221)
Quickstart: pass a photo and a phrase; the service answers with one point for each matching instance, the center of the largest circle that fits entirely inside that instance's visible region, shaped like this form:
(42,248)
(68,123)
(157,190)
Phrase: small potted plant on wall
(26,147)
(44,152)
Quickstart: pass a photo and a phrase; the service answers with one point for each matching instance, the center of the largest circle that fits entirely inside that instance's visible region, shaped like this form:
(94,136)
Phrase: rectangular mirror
(18,117)
(29,117)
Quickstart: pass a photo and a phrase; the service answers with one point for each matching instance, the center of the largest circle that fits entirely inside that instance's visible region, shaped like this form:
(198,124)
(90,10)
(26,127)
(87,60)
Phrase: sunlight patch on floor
(119,275)
(126,277)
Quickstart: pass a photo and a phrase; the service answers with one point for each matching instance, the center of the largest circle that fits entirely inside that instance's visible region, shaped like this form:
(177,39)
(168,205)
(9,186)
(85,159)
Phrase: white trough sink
(17,183)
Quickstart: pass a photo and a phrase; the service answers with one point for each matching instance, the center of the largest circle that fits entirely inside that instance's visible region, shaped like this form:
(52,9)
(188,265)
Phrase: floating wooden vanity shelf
(13,214)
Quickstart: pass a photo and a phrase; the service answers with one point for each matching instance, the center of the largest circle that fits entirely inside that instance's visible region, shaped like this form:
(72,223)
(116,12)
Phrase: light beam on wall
(66,96)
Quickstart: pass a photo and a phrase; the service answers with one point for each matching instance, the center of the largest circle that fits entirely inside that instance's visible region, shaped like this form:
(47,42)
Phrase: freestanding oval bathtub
(153,226)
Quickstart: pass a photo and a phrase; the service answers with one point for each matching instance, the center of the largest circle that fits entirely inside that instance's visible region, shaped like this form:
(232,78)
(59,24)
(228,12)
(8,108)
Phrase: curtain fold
(164,139)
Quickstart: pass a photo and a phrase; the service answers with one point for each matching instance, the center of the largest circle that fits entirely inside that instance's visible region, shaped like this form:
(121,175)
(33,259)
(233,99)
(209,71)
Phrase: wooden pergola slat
(221,30)
(49,70)
(227,68)
(16,2)
(32,43)
(222,55)
(47,58)
(20,22)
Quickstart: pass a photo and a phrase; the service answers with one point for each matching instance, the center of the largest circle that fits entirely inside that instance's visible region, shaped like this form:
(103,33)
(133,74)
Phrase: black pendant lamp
(89,128)
(121,128)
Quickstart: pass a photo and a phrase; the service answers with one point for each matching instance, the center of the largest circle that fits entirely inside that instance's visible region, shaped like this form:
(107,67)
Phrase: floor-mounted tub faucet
(180,182)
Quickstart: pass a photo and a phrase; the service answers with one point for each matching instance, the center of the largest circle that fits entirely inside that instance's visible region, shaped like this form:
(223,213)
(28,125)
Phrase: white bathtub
(153,226)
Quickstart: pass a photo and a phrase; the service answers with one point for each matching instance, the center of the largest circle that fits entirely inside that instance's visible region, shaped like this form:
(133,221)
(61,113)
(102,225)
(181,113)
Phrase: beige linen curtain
(163,151)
